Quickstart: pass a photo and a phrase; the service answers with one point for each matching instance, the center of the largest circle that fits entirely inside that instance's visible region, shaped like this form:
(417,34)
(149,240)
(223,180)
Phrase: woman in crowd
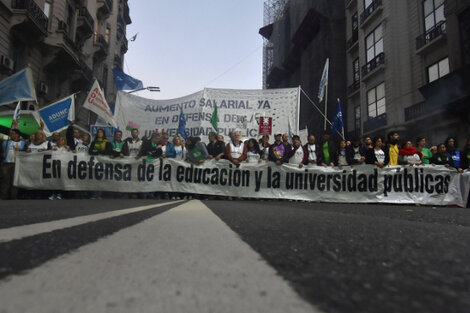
(61,145)
(215,147)
(378,155)
(196,150)
(100,145)
(443,158)
(409,155)
(252,151)
(451,147)
(421,147)
(39,143)
(341,155)
(176,149)
(235,148)
(264,147)
(298,155)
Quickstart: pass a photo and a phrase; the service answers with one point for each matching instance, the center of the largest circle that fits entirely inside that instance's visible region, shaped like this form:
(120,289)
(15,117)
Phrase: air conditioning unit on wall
(7,63)
(43,88)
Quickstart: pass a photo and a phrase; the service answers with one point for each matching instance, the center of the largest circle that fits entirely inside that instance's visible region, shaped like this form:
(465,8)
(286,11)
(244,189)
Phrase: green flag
(215,118)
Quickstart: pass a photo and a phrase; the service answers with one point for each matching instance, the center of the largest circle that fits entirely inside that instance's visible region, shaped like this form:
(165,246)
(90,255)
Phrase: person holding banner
(409,155)
(134,143)
(264,146)
(234,151)
(252,151)
(100,145)
(355,153)
(311,148)
(196,150)
(83,145)
(215,148)
(119,148)
(176,149)
(277,151)
(151,149)
(442,157)
(379,154)
(9,148)
(298,154)
(39,143)
(73,136)
(327,154)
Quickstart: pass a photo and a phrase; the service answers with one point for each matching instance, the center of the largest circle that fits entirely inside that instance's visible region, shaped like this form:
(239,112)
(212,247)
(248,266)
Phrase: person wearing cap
(277,151)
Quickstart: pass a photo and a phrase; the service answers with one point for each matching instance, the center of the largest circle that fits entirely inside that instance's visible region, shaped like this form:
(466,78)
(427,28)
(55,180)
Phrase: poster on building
(237,110)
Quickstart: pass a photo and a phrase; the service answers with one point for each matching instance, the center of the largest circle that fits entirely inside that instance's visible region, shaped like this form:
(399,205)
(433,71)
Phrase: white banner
(431,185)
(237,109)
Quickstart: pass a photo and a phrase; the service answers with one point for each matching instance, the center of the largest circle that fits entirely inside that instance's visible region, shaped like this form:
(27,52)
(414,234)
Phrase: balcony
(35,22)
(431,36)
(101,47)
(85,24)
(373,65)
(414,111)
(353,41)
(105,8)
(127,17)
(371,10)
(117,61)
(353,89)
(375,123)
(124,45)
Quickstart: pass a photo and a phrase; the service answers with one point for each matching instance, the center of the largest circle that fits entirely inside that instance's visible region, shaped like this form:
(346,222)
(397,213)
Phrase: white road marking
(19,232)
(183,260)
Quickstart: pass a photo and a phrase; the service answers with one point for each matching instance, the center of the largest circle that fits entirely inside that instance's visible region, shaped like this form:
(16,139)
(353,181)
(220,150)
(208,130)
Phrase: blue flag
(182,126)
(56,115)
(126,82)
(337,124)
(18,87)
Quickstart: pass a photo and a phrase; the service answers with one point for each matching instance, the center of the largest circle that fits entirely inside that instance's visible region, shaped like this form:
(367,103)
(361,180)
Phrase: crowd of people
(326,151)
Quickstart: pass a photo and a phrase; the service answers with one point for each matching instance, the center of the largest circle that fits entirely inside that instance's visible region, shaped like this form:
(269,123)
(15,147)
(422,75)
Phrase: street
(232,256)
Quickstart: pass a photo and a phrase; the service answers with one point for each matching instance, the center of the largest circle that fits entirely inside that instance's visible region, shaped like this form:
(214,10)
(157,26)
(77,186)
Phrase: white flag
(324,81)
(96,102)
(16,114)
(71,115)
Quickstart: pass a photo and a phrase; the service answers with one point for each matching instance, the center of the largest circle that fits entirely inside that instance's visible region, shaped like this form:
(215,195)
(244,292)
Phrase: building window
(374,43)
(433,13)
(356,72)
(376,101)
(107,34)
(367,3)
(438,69)
(357,118)
(47,9)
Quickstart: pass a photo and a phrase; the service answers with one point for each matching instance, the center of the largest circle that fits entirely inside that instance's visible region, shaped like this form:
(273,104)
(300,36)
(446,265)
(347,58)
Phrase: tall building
(408,68)
(400,65)
(66,43)
(299,36)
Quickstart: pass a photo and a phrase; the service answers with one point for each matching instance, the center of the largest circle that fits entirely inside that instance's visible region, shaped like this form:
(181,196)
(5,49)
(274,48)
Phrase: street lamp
(149,88)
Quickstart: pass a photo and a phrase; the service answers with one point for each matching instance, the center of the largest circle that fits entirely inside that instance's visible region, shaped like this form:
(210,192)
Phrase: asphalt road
(331,257)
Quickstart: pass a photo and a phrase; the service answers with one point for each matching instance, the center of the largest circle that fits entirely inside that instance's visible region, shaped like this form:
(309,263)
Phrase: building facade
(300,36)
(67,44)
(403,65)
(408,68)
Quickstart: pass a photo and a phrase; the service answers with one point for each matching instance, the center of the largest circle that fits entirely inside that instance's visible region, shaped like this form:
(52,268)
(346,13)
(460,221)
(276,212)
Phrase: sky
(183,46)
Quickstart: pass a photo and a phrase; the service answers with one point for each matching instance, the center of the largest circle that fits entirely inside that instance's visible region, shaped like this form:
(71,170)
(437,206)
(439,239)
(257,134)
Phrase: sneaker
(58,196)
(52,197)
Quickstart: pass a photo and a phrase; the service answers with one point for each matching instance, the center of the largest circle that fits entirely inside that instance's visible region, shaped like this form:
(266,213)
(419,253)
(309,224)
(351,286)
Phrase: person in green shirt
(100,145)
(327,151)
(119,147)
(421,147)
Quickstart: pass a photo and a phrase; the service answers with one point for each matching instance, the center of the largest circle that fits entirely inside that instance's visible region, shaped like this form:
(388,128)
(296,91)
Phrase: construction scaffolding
(273,11)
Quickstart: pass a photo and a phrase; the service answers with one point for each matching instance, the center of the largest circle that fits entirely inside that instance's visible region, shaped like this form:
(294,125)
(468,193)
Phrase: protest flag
(96,102)
(18,87)
(323,81)
(133,38)
(215,118)
(182,126)
(126,82)
(337,125)
(57,116)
